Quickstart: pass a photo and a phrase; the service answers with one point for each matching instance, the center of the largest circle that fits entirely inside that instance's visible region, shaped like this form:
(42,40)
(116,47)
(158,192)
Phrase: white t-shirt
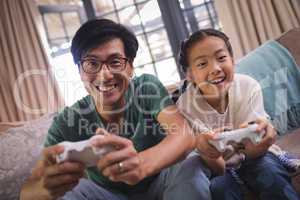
(245,104)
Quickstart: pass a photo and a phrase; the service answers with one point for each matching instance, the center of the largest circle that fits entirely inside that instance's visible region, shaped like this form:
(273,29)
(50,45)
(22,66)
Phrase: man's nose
(105,73)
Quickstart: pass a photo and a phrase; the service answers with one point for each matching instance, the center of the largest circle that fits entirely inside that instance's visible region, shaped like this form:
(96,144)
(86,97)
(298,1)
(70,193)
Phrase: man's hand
(122,165)
(50,180)
(255,150)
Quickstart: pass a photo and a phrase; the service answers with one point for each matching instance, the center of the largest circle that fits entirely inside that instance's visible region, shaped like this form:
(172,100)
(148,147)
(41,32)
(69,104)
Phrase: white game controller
(221,142)
(83,152)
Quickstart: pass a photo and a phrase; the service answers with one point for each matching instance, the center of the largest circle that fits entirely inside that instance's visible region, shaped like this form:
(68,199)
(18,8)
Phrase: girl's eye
(201,64)
(222,58)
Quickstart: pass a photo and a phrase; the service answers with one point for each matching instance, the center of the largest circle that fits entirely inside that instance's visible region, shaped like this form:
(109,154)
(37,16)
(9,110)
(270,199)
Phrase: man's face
(211,67)
(108,84)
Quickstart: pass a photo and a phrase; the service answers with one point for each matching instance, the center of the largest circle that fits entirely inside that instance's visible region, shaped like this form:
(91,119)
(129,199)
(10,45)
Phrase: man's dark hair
(196,37)
(98,31)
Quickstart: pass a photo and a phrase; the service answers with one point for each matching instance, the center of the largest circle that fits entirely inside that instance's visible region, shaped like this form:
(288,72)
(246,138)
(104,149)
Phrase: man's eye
(115,62)
(92,63)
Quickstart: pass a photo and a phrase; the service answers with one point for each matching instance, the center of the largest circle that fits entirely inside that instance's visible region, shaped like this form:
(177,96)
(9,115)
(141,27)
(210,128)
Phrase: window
(60,23)
(199,14)
(155,55)
(61,19)
(160,26)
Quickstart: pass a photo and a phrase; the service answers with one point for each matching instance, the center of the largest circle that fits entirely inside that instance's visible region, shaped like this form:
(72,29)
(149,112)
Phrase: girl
(215,98)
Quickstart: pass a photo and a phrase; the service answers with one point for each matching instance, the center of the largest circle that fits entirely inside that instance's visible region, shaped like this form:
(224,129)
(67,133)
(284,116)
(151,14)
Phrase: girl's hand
(255,150)
(203,145)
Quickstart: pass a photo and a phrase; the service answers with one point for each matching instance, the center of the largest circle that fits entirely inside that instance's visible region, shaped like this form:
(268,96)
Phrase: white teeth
(217,81)
(105,88)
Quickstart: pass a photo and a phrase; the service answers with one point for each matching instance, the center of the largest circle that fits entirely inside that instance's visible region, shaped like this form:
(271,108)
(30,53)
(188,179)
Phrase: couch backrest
(275,66)
(291,41)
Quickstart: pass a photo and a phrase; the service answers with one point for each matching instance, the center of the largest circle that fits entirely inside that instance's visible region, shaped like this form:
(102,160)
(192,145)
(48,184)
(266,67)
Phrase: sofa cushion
(20,148)
(290,142)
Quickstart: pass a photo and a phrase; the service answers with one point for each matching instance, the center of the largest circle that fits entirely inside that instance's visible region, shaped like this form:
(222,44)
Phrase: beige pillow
(20,148)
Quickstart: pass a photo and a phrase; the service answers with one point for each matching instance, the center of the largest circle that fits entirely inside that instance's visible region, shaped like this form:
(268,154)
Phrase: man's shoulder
(146,79)
(69,123)
(150,94)
(78,105)
(147,84)
(76,111)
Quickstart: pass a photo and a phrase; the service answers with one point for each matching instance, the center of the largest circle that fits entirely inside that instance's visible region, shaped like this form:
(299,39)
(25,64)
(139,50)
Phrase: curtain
(27,87)
(249,23)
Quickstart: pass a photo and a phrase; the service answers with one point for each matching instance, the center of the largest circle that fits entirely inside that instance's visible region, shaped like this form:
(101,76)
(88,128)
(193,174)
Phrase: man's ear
(131,72)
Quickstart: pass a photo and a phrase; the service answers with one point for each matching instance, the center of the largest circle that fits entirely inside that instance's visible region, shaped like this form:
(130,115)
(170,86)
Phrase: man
(135,115)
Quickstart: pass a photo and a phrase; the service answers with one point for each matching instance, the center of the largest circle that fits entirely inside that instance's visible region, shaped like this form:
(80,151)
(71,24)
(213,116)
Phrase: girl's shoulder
(244,82)
(188,94)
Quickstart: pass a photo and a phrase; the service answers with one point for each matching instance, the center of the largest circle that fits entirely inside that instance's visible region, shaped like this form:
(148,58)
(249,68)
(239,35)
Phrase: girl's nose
(216,69)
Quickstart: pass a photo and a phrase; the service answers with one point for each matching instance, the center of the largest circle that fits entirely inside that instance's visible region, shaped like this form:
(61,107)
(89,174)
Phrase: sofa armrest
(290,142)
(291,41)
(7,125)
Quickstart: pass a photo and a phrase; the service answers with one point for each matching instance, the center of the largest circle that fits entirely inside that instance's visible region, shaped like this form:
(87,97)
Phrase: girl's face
(211,67)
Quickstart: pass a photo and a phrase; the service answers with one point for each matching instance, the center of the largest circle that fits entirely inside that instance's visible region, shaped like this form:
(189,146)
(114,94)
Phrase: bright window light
(68,78)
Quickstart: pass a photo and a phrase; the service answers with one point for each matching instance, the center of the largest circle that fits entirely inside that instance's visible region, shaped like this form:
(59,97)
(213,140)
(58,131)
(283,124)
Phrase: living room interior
(39,78)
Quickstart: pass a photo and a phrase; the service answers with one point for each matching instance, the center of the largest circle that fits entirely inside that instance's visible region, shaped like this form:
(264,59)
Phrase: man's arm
(178,143)
(128,166)
(135,166)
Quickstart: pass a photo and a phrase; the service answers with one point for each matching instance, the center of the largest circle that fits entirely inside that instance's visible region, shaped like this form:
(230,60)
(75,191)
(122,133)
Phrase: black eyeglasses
(93,66)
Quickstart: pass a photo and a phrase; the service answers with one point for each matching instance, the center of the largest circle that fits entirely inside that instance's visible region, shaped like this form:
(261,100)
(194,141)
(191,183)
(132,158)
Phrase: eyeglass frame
(101,63)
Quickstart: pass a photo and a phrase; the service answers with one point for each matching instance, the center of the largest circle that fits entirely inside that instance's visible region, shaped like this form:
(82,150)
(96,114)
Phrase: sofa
(21,142)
